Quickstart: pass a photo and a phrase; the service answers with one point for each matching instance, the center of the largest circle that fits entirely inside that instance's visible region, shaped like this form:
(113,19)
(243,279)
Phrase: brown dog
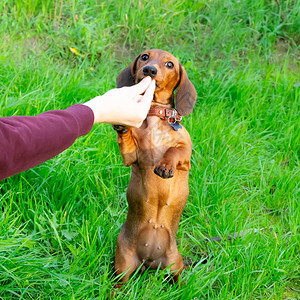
(159,153)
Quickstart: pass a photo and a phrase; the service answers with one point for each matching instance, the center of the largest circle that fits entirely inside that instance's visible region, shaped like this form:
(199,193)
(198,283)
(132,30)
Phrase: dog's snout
(150,71)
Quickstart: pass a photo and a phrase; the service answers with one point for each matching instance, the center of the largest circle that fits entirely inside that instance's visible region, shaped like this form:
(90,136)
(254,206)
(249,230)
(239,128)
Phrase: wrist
(97,105)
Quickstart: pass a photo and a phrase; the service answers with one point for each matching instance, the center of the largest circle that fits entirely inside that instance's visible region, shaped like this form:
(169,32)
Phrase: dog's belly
(152,243)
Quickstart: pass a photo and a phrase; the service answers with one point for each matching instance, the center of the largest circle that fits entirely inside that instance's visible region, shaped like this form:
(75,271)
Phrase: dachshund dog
(159,153)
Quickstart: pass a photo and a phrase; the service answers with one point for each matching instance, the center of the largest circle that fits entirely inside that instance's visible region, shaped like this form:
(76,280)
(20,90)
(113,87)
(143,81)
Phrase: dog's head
(170,77)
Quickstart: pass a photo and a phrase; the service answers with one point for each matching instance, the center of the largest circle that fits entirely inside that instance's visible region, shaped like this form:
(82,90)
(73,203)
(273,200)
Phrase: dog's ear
(127,76)
(185,97)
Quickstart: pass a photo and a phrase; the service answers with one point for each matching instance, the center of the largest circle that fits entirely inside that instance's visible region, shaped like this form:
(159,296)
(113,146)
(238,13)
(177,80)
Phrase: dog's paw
(120,128)
(164,170)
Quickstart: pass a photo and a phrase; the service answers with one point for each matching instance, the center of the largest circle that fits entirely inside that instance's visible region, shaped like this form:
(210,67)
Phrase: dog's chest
(153,139)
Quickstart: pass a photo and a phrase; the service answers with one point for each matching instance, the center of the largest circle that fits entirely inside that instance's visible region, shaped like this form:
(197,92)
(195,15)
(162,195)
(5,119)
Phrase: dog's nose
(150,71)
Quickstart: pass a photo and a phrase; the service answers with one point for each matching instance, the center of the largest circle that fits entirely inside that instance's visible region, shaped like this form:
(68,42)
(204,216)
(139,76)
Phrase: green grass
(59,221)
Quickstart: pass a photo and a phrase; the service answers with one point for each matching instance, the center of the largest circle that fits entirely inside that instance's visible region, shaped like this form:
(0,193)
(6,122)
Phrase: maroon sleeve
(28,141)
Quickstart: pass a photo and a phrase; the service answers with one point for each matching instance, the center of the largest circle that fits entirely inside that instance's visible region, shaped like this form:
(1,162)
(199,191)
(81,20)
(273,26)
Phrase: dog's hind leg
(126,263)
(177,265)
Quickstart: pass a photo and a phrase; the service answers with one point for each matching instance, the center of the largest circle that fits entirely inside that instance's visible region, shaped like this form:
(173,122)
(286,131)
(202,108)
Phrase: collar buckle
(174,117)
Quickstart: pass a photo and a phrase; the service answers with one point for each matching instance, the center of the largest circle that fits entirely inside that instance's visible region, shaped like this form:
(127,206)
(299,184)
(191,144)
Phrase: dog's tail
(235,235)
(191,263)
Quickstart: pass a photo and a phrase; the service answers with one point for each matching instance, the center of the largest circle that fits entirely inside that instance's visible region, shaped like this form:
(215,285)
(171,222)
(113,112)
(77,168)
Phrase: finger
(148,96)
(145,102)
(142,86)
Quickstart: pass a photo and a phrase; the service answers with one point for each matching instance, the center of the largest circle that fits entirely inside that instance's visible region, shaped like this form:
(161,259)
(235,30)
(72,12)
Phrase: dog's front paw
(164,170)
(120,128)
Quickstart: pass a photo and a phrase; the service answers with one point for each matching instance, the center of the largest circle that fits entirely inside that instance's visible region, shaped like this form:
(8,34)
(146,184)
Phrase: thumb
(142,86)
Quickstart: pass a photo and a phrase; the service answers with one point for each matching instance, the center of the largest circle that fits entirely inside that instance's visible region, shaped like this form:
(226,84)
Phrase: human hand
(126,106)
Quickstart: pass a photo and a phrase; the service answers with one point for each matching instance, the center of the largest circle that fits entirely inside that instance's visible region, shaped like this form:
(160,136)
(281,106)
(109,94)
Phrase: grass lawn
(59,221)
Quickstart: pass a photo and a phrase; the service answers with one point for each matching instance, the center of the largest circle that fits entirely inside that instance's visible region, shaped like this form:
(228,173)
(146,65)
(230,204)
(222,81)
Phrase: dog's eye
(169,65)
(145,57)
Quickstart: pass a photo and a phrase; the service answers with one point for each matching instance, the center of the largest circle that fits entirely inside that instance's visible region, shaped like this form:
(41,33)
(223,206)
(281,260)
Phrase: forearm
(28,141)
